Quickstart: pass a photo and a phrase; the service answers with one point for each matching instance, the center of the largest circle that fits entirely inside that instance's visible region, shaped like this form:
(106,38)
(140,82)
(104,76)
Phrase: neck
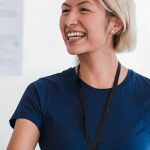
(98,70)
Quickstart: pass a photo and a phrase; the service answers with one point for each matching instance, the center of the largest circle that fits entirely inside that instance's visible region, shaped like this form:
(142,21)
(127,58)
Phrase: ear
(115,25)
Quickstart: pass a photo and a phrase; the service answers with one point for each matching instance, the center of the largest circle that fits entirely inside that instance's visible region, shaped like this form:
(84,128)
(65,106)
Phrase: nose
(71,19)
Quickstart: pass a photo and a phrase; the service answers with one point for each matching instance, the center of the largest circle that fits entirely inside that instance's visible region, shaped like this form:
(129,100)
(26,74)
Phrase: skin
(98,61)
(25,136)
(87,21)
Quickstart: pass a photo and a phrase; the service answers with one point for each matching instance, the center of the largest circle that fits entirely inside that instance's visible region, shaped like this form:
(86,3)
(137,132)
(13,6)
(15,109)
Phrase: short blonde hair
(125,11)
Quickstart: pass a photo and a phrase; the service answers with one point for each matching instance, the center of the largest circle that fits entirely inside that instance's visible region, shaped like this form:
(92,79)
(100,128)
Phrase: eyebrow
(83,2)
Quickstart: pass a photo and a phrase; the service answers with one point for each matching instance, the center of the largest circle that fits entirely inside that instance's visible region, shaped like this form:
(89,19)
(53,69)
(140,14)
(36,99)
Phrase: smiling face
(84,26)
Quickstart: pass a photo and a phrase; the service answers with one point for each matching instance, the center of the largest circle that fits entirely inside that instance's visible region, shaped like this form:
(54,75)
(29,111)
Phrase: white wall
(44,53)
(139,59)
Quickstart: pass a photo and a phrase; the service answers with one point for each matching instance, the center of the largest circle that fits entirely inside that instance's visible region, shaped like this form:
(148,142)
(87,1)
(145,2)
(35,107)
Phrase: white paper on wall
(11,37)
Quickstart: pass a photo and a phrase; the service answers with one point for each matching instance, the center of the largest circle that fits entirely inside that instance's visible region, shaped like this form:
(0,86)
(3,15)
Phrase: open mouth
(75,35)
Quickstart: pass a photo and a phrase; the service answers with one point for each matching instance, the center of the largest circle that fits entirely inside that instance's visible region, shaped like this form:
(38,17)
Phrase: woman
(98,105)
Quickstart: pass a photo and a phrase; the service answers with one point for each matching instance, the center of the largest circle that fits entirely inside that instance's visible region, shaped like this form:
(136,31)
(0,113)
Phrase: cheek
(61,26)
(62,23)
(96,34)
(97,30)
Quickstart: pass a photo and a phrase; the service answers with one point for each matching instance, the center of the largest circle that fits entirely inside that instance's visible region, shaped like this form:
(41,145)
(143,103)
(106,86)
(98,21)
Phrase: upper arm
(25,136)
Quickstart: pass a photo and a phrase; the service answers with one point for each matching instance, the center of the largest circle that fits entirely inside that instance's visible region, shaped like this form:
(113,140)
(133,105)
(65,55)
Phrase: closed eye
(84,9)
(65,10)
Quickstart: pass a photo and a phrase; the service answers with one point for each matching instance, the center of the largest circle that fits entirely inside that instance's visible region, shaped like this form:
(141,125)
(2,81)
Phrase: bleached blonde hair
(125,11)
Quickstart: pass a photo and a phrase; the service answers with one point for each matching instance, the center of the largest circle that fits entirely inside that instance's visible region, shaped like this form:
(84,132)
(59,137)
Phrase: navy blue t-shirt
(52,104)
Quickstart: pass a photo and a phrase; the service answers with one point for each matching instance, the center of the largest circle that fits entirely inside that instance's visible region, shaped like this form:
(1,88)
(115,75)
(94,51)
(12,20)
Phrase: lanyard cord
(92,146)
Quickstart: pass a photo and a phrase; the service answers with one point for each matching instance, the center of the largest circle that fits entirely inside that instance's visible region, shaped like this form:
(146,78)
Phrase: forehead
(76,2)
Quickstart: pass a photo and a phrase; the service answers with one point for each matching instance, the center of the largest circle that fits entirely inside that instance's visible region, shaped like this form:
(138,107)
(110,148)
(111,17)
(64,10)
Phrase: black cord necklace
(93,146)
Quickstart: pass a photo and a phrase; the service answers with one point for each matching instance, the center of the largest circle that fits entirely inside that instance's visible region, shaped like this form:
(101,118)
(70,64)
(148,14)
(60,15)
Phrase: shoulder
(140,79)
(140,84)
(43,89)
(142,87)
(60,79)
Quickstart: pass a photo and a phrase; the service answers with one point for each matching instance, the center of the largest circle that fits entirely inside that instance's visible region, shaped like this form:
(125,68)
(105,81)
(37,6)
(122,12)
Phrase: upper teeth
(75,34)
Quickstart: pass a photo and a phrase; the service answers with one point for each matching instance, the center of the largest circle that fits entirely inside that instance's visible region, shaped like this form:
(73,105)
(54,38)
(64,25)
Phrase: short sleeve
(30,106)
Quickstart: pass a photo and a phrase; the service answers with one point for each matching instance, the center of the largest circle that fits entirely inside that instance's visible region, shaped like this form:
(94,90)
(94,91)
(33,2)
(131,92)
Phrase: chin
(77,51)
(72,51)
